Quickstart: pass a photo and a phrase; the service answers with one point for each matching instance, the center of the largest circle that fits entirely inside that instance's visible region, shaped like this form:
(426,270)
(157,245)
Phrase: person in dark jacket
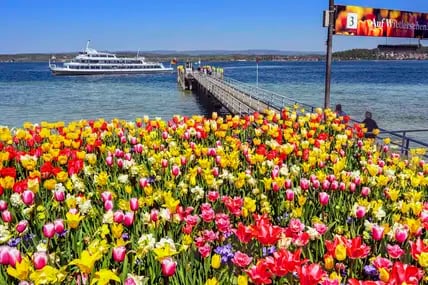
(370,125)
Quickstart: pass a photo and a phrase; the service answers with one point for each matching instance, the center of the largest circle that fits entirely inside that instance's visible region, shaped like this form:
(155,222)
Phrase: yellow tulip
(340,252)
(216,261)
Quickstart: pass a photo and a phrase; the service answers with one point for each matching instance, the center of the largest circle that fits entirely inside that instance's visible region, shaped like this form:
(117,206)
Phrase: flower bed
(276,198)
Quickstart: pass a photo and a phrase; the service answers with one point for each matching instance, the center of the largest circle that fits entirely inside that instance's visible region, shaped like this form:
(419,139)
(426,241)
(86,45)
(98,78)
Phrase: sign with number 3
(352,21)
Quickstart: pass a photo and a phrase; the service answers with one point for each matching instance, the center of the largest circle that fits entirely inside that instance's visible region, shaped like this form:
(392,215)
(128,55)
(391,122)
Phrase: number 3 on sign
(352,21)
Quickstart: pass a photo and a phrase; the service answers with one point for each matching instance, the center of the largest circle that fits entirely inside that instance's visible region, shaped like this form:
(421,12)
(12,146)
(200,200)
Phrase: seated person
(370,125)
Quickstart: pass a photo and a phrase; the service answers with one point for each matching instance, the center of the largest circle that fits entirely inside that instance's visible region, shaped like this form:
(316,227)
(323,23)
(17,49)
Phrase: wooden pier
(231,96)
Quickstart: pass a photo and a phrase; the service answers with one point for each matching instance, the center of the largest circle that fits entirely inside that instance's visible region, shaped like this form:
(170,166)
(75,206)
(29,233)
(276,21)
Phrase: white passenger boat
(91,62)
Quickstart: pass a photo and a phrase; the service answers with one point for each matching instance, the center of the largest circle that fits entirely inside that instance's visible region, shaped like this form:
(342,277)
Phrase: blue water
(395,91)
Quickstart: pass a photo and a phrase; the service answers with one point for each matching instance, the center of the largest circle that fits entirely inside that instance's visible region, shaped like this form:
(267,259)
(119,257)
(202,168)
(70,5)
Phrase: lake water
(395,91)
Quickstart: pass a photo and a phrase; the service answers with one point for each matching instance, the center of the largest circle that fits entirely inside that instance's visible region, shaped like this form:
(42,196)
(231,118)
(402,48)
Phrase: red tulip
(119,253)
(120,163)
(133,204)
(40,259)
(6,216)
(28,197)
(168,266)
(243,233)
(49,230)
(405,274)
(288,183)
(355,249)
(164,163)
(260,273)
(154,215)
(21,226)
(310,274)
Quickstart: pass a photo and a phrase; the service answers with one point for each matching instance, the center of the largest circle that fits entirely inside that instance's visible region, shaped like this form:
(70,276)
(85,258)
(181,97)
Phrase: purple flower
(14,242)
(125,236)
(371,272)
(225,252)
(268,250)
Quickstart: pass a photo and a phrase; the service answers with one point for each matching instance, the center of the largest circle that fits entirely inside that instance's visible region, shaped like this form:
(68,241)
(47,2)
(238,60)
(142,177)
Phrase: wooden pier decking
(236,100)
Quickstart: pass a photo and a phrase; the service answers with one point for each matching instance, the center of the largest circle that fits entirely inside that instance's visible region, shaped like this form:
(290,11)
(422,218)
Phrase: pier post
(329,54)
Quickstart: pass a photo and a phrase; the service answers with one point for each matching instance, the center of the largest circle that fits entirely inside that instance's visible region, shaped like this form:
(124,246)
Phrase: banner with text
(373,22)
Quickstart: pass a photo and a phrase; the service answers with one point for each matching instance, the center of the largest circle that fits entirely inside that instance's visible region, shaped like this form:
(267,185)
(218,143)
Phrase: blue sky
(63,25)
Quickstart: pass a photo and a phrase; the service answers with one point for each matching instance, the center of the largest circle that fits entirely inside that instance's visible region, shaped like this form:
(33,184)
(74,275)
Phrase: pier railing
(236,95)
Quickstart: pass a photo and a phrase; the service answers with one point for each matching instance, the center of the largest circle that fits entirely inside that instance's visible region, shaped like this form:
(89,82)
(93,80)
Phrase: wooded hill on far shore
(379,53)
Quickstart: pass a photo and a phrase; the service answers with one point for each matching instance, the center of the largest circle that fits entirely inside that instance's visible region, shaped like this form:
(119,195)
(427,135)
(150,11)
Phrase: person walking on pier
(339,111)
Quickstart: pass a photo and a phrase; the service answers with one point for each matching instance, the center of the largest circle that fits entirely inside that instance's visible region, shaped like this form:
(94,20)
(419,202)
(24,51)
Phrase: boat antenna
(138,52)
(87,44)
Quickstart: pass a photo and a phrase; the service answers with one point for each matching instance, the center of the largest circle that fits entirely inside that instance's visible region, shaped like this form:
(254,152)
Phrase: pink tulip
(361,212)
(334,185)
(28,197)
(129,281)
(108,205)
(215,171)
(14,256)
(133,204)
(218,159)
(154,215)
(360,143)
(165,135)
(289,195)
(352,187)
(59,226)
(120,163)
(394,251)
(3,205)
(377,232)
(21,226)
(183,160)
(109,160)
(186,135)
(4,255)
(168,266)
(133,140)
(119,253)
(275,187)
(288,183)
(59,195)
(275,172)
(138,148)
(365,191)
(128,219)
(401,235)
(118,153)
(304,184)
(325,185)
(118,216)
(316,184)
(106,196)
(164,163)
(128,156)
(6,216)
(342,186)
(175,170)
(213,196)
(40,259)
(49,230)
(357,180)
(144,182)
(323,198)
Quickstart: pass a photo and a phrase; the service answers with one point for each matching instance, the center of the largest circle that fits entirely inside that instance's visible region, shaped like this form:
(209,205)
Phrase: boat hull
(67,71)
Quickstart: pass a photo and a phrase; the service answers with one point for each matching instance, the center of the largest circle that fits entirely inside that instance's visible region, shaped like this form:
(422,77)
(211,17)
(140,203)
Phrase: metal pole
(257,74)
(329,54)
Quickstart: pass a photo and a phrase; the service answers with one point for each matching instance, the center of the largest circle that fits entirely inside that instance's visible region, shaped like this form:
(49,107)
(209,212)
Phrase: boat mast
(87,45)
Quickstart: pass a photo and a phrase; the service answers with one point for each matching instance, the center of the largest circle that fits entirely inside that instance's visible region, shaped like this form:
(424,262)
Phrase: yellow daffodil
(48,275)
(22,269)
(104,277)
(86,262)
(73,220)
(212,281)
